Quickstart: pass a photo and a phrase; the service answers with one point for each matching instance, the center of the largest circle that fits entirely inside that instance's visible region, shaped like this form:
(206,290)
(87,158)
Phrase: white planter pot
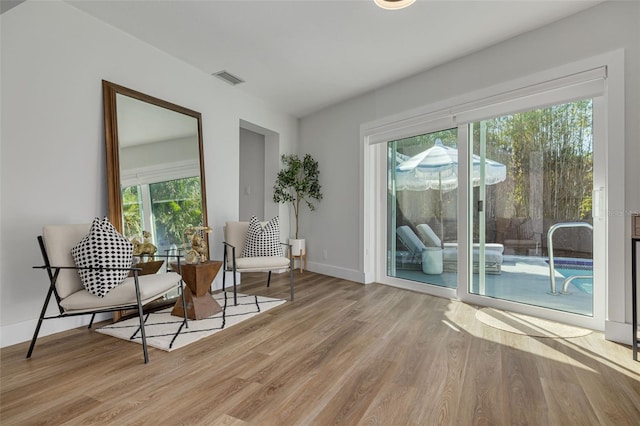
(297,246)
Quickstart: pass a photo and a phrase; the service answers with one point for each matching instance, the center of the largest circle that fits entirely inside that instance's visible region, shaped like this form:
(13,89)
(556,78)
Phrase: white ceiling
(303,55)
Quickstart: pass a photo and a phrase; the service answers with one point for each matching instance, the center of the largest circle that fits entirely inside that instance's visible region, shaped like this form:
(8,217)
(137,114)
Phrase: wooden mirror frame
(114,191)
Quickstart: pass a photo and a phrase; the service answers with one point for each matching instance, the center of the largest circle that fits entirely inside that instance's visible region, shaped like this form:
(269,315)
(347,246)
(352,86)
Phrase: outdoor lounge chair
(427,239)
(429,259)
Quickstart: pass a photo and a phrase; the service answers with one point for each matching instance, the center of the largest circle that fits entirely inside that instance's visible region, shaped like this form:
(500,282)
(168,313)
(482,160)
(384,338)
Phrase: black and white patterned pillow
(263,241)
(103,247)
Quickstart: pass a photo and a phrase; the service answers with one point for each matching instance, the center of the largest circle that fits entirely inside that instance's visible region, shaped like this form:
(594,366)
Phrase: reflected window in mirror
(173,206)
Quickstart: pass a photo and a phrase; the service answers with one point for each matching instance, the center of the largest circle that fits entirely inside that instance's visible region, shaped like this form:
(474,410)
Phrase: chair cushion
(262,263)
(151,287)
(263,241)
(103,247)
(410,239)
(428,236)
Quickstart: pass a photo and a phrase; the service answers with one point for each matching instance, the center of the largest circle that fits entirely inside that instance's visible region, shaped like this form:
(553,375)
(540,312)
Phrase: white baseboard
(23,331)
(334,271)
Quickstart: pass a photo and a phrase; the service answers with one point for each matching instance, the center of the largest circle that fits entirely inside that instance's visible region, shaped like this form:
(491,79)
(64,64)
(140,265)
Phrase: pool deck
(524,279)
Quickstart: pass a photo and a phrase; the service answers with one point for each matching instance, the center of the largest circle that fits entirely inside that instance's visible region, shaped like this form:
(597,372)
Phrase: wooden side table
(198,279)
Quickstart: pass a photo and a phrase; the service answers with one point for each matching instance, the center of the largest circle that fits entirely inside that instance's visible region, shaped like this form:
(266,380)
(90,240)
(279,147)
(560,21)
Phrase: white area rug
(167,332)
(526,325)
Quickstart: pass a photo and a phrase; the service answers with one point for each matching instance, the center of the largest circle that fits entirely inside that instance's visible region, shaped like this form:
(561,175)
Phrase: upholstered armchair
(251,247)
(72,296)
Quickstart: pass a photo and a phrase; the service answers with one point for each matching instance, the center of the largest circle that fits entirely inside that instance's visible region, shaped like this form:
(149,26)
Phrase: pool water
(585,285)
(570,267)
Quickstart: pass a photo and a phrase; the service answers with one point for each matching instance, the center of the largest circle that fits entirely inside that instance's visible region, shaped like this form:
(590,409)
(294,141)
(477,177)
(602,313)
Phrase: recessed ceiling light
(394,4)
(228,77)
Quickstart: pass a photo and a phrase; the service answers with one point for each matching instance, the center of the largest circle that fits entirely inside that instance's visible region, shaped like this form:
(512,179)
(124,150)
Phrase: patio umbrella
(437,168)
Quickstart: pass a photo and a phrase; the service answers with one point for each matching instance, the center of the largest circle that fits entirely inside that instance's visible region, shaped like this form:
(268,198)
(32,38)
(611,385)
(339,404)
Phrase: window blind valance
(582,85)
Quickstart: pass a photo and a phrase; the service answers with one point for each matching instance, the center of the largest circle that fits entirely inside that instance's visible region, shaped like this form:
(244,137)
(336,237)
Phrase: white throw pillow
(263,241)
(103,247)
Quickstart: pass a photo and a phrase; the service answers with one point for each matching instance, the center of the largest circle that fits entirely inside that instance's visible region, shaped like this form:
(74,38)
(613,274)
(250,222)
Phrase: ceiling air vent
(229,78)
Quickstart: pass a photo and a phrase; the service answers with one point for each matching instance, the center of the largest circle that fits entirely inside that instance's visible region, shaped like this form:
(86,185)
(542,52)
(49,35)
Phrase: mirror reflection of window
(174,206)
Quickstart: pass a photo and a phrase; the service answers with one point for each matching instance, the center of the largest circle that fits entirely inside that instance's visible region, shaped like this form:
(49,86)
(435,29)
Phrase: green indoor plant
(298,182)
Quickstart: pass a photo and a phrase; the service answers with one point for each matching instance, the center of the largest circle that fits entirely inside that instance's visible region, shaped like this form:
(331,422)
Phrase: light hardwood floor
(342,353)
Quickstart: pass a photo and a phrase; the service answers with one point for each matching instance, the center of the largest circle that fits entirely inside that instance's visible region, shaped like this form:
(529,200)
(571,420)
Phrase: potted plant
(298,182)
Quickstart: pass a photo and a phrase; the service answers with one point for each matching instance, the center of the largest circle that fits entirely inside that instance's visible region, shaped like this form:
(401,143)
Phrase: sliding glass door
(529,183)
(532,228)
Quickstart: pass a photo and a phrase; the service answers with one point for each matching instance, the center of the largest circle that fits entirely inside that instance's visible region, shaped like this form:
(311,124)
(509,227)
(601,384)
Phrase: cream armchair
(72,298)
(235,235)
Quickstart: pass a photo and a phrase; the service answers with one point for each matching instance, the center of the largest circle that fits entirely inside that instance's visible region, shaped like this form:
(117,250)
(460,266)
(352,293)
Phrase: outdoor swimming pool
(570,267)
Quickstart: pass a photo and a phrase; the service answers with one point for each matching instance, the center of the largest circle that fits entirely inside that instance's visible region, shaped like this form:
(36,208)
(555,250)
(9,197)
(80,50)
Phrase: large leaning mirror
(155,167)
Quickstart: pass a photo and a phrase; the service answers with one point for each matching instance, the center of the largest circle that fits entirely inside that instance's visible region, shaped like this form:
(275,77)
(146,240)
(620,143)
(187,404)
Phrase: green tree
(176,205)
(562,134)
(132,211)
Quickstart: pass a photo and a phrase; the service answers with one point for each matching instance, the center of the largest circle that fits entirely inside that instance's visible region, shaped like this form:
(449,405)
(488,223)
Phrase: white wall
(52,143)
(333,134)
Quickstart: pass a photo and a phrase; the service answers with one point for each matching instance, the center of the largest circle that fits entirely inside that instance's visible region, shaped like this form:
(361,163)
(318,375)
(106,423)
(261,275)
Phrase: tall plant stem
(296,210)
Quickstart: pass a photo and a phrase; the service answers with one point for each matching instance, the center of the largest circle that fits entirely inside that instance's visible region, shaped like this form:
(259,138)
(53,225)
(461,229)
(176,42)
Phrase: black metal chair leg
(224,266)
(224,277)
(291,279)
(235,293)
(291,267)
(184,304)
(225,260)
(235,281)
(144,337)
(42,314)
(269,279)
(93,316)
(141,316)
(35,334)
